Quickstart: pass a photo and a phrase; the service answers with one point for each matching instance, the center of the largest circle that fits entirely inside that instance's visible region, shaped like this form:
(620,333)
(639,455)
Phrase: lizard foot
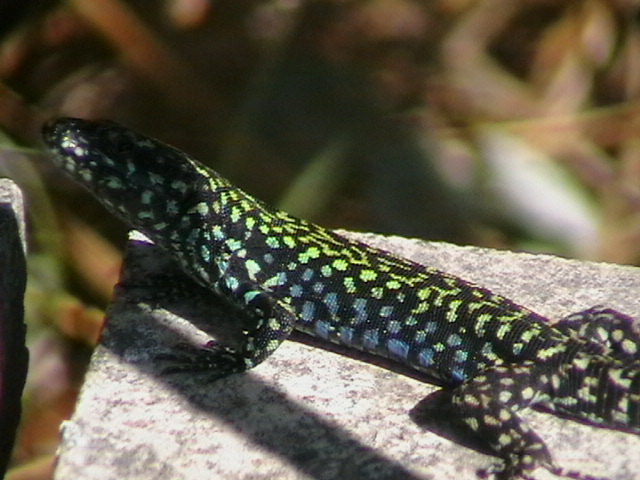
(212,359)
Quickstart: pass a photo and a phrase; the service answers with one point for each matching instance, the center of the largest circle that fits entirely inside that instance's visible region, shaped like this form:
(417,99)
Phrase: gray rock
(308,412)
(14,357)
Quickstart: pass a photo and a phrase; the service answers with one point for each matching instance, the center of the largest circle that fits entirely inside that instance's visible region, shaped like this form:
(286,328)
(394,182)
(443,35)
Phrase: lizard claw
(215,360)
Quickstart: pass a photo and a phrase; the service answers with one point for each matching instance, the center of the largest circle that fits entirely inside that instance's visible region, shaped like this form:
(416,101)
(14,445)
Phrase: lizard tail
(601,390)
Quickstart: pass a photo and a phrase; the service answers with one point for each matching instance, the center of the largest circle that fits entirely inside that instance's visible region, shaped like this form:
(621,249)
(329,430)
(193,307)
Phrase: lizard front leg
(270,323)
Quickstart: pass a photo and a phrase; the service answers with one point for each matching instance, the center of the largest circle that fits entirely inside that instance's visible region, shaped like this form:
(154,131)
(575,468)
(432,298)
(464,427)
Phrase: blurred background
(503,123)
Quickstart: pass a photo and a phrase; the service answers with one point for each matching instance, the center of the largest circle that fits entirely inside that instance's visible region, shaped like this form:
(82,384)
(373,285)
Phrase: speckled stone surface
(308,412)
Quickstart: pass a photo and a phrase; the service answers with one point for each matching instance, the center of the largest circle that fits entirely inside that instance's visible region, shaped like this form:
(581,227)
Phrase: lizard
(495,356)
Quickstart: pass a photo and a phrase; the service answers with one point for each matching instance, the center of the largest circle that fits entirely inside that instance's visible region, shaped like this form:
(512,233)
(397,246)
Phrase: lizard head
(145,182)
(152,186)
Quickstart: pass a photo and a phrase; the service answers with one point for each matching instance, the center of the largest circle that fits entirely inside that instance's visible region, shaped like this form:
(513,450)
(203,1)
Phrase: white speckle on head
(146,197)
(179,185)
(172,207)
(114,182)
(131,166)
(68,143)
(202,208)
(155,178)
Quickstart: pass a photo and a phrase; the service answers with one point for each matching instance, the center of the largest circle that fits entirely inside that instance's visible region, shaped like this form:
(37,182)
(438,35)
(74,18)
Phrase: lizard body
(497,357)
